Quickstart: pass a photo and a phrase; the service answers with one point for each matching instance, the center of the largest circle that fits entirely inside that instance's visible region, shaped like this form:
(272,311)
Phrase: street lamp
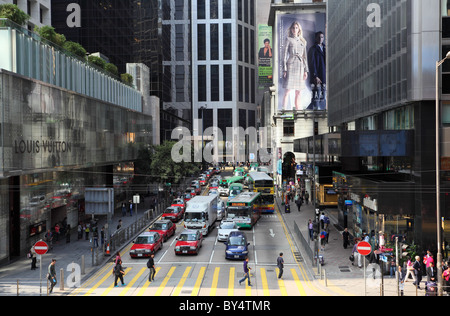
(201,109)
(438,186)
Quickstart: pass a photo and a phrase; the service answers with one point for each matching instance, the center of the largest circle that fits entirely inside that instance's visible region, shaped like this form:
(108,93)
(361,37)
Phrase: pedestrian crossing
(200,280)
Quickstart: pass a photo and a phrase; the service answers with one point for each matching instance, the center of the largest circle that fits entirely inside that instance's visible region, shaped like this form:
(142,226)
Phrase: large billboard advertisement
(301,62)
(265,56)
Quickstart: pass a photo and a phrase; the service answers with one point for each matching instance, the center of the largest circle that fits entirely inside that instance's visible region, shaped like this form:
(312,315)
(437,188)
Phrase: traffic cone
(108,252)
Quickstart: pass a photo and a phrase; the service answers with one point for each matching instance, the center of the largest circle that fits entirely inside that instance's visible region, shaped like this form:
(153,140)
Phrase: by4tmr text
(246,306)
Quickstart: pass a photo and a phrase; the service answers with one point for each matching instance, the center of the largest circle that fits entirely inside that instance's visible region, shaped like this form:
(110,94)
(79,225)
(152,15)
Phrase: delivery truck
(201,213)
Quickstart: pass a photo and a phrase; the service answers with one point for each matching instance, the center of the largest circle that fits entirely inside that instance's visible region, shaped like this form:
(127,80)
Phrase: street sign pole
(364,249)
(40,248)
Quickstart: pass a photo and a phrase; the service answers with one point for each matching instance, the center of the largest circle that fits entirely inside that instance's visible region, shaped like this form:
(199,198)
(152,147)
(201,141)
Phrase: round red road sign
(41,247)
(364,248)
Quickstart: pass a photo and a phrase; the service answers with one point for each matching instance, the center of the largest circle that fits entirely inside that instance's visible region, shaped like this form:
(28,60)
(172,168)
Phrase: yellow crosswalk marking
(164,283)
(182,281)
(130,284)
(264,282)
(197,285)
(106,276)
(112,284)
(281,285)
(298,283)
(147,283)
(215,282)
(231,281)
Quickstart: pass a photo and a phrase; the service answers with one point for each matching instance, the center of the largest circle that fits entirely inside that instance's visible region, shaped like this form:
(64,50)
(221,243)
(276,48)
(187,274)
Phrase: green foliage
(75,49)
(13,13)
(111,68)
(127,79)
(48,32)
(97,61)
(164,170)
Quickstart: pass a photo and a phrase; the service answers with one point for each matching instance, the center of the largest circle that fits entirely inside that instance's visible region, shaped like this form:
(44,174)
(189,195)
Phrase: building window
(227,83)
(288,128)
(201,41)
(201,9)
(214,9)
(214,34)
(215,90)
(226,9)
(227,51)
(202,83)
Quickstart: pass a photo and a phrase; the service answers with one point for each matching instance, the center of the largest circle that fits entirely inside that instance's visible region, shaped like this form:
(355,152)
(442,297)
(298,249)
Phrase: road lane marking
(198,283)
(265,284)
(147,284)
(164,283)
(131,283)
(215,282)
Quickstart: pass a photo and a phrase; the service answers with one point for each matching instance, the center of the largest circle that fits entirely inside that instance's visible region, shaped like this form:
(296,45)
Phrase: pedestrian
(392,266)
(102,236)
(418,271)
(306,197)
(401,280)
(446,278)
(323,238)
(311,230)
(49,239)
(118,258)
(33,258)
(321,219)
(118,273)
(280,265)
(68,234)
(409,270)
(80,231)
(86,231)
(57,232)
(124,210)
(298,201)
(246,273)
(51,275)
(345,237)
(356,254)
(151,266)
(131,208)
(119,225)
(431,272)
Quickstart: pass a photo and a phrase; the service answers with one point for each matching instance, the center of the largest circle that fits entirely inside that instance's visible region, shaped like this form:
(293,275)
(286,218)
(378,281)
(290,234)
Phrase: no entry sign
(41,247)
(364,248)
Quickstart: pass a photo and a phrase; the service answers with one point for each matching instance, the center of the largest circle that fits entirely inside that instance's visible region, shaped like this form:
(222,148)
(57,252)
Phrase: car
(213,191)
(187,197)
(236,246)
(203,181)
(178,202)
(197,188)
(189,242)
(214,184)
(225,228)
(223,190)
(173,213)
(146,244)
(220,209)
(164,227)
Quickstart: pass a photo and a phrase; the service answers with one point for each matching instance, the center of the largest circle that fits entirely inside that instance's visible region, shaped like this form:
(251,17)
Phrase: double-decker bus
(244,209)
(224,186)
(263,183)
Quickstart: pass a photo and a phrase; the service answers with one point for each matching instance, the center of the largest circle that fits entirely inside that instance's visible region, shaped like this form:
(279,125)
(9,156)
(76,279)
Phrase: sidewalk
(65,254)
(342,277)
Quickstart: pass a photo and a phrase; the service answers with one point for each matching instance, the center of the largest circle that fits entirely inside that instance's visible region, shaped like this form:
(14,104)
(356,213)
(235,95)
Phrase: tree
(112,69)
(75,49)
(48,32)
(13,13)
(97,61)
(127,79)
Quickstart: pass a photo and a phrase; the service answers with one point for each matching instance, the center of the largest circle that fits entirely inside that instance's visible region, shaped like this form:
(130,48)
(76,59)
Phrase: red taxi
(146,244)
(189,242)
(178,202)
(173,213)
(164,227)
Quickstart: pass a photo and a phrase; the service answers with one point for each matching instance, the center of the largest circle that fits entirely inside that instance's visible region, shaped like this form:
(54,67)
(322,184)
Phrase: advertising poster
(301,62)
(265,56)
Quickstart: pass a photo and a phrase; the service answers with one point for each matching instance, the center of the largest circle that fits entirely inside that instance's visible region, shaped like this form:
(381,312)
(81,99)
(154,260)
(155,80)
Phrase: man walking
(151,266)
(51,275)
(280,265)
(246,273)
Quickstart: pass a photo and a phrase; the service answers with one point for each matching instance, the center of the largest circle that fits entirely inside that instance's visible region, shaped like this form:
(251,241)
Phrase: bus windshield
(239,212)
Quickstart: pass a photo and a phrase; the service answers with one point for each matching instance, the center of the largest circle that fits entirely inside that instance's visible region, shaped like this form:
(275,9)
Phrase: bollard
(82,265)
(17,287)
(61,279)
(325,277)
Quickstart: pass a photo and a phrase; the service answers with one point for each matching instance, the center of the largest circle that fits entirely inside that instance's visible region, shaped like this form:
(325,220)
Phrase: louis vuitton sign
(41,146)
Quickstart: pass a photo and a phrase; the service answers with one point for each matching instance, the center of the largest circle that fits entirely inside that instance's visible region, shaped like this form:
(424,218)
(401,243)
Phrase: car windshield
(227,225)
(171,210)
(193,217)
(188,237)
(144,240)
(159,226)
(236,241)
